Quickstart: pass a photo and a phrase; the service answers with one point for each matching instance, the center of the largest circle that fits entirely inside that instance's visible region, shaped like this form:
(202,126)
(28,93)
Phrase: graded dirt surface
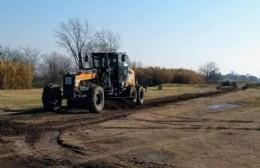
(191,130)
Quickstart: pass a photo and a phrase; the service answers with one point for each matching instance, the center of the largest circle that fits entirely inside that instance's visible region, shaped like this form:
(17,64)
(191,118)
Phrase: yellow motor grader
(109,77)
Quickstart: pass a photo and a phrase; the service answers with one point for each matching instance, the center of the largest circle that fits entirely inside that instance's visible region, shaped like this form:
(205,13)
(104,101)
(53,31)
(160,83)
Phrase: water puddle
(17,146)
(224,106)
(50,139)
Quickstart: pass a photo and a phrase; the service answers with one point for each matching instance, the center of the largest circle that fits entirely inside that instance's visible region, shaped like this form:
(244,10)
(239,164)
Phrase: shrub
(151,76)
(15,75)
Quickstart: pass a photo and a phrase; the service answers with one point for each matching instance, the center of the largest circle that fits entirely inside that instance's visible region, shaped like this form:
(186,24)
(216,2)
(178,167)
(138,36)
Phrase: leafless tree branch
(106,41)
(209,71)
(76,38)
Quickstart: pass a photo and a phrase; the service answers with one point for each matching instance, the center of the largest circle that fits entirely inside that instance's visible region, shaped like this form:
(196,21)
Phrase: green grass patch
(31,98)
(20,99)
(176,89)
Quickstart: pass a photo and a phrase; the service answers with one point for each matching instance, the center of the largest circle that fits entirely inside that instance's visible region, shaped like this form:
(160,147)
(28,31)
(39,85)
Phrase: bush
(15,75)
(155,75)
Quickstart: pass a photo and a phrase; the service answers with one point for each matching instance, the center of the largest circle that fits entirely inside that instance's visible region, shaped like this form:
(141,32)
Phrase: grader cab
(109,77)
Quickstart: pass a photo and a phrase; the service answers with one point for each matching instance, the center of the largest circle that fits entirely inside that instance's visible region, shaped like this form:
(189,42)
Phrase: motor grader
(109,76)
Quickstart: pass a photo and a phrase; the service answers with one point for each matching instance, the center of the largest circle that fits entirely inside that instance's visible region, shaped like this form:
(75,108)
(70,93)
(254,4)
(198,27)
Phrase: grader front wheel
(95,99)
(132,93)
(140,95)
(51,97)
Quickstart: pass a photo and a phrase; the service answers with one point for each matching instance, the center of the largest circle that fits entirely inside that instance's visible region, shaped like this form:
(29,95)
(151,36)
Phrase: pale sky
(166,33)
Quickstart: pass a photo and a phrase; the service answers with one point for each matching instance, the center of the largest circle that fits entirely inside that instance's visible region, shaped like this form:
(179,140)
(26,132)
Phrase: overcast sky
(167,33)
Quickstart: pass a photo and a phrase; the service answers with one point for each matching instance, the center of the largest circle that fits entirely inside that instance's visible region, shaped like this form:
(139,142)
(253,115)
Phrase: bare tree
(14,55)
(51,67)
(210,71)
(76,38)
(32,56)
(106,41)
(25,55)
(136,64)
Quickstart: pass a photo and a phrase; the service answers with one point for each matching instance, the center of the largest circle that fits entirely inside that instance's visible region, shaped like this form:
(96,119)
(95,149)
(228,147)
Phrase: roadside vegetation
(152,76)
(13,100)
(15,75)
(176,89)
(21,68)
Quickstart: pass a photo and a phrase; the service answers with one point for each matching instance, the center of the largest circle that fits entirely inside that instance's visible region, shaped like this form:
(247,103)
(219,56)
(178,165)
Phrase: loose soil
(188,130)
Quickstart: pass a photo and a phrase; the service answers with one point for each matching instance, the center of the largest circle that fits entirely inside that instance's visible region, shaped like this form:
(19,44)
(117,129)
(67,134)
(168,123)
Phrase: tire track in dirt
(193,120)
(73,148)
(120,109)
(120,152)
(187,128)
(129,108)
(90,121)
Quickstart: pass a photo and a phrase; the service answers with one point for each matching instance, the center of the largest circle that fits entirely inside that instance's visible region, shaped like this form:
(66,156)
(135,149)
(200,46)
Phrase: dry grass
(11,100)
(31,98)
(253,97)
(155,75)
(20,99)
(15,75)
(176,89)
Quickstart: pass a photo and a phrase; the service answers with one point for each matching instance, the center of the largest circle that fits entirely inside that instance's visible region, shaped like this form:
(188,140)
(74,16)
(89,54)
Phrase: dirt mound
(33,131)
(27,161)
(115,104)
(184,97)
(8,127)
(96,164)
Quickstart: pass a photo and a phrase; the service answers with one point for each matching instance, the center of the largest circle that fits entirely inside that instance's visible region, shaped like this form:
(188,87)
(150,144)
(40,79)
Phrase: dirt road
(205,130)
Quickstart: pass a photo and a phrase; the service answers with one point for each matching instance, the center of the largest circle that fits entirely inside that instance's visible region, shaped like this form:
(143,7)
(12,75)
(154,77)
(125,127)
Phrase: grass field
(12,100)
(20,99)
(175,89)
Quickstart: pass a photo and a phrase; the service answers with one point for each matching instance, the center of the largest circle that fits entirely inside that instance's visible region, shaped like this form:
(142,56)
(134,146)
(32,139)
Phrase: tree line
(79,38)
(152,76)
(211,74)
(232,76)
(207,73)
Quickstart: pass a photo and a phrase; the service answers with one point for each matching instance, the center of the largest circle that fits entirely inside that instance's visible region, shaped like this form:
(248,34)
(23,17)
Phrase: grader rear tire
(51,97)
(140,95)
(132,94)
(95,99)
